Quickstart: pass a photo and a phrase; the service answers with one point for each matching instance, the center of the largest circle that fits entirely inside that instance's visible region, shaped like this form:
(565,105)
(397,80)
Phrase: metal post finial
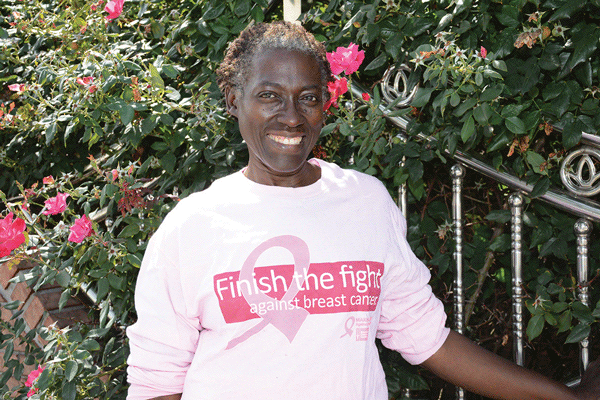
(292,10)
(583,229)
(458,172)
(516,201)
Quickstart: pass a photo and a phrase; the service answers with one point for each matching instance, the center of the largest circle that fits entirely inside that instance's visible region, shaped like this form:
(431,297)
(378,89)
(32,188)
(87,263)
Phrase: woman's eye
(311,98)
(266,95)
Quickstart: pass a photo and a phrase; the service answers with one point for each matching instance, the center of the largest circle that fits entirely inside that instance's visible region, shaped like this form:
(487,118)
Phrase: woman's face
(280,115)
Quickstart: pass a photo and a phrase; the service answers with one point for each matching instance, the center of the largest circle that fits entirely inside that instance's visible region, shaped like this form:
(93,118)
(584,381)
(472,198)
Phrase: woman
(275,281)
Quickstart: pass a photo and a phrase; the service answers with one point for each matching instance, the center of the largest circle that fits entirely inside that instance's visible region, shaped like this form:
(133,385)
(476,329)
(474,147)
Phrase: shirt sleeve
(164,339)
(412,319)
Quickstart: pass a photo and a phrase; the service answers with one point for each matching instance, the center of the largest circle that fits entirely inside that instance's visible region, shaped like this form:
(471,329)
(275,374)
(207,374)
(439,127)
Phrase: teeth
(286,140)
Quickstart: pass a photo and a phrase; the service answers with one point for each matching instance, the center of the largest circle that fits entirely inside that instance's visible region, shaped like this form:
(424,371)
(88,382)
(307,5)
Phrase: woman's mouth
(286,140)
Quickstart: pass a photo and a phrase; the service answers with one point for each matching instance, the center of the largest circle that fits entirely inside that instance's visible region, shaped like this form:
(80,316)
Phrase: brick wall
(40,309)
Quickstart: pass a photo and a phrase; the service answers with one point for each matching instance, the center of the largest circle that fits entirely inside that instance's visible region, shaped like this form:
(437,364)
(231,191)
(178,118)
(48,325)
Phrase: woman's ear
(231,100)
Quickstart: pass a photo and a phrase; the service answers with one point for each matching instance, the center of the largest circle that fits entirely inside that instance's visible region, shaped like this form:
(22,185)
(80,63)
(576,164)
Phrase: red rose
(11,234)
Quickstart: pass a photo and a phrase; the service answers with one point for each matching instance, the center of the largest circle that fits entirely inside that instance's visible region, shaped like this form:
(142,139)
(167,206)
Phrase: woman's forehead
(284,64)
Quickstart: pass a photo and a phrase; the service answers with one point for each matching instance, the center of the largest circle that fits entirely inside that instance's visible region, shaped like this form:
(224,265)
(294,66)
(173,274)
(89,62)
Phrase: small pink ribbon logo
(349,331)
(287,322)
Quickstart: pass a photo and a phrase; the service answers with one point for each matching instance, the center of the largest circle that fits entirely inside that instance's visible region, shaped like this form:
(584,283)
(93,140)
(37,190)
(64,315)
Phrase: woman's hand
(589,388)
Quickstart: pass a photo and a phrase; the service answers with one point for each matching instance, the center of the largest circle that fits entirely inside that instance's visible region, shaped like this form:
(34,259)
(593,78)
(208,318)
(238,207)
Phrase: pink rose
(56,205)
(336,89)
(33,375)
(81,229)
(85,80)
(11,234)
(483,52)
(31,378)
(346,59)
(366,96)
(114,8)
(17,87)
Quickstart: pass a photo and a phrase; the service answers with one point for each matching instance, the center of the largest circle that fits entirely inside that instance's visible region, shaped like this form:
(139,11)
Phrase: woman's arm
(463,363)
(168,397)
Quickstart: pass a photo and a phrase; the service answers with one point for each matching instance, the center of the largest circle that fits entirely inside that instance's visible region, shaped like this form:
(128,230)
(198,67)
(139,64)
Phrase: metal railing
(581,181)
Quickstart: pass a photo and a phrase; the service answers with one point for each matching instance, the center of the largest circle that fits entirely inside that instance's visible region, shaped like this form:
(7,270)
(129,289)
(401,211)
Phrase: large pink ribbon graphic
(287,322)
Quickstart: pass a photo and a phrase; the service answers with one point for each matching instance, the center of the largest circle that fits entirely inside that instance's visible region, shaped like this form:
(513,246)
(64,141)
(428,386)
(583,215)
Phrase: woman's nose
(290,114)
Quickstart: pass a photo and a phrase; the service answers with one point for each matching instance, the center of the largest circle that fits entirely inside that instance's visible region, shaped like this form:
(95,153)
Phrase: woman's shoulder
(349,178)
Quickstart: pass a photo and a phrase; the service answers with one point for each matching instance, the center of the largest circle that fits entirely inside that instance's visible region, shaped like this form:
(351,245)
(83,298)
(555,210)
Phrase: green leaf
(454,99)
(327,129)
(90,345)
(482,113)
(585,42)
(564,321)
(501,243)
(63,278)
(515,125)
(499,142)
(500,216)
(378,62)
(490,73)
(582,312)
(155,78)
(572,133)
(134,260)
(131,66)
(115,281)
(479,78)
(550,319)
(148,124)
(8,351)
(103,287)
(393,45)
(109,82)
(422,97)
(69,390)
(129,231)
(170,71)
(568,9)
(158,29)
(64,297)
(490,93)
(500,65)
(578,333)
(553,90)
(559,307)
(214,12)
(468,129)
(50,132)
(535,326)
(466,105)
(168,162)
(596,312)
(71,370)
(535,160)
(540,188)
(126,113)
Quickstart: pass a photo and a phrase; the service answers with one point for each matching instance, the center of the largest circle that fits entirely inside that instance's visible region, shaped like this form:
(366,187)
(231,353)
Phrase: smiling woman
(245,292)
(280,114)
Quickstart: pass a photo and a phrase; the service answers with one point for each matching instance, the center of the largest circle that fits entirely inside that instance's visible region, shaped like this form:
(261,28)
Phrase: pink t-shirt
(249,291)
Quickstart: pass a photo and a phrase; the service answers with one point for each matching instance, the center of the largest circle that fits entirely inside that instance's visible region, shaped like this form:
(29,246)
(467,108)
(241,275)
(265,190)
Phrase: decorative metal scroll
(580,171)
(395,87)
